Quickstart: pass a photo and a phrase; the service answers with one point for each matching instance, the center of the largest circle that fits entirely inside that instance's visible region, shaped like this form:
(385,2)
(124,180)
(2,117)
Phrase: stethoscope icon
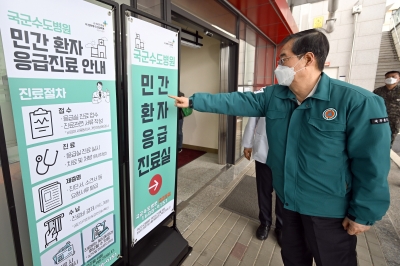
(43,164)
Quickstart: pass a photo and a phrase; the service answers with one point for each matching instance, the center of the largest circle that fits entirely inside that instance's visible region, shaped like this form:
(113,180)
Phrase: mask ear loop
(296,65)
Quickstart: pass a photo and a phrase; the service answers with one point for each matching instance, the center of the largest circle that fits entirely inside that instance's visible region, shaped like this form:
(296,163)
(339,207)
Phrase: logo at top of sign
(170,43)
(155,184)
(138,43)
(329,114)
(99,26)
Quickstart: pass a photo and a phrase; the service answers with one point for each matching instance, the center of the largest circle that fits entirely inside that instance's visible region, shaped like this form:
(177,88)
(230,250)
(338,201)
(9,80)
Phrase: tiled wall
(367,40)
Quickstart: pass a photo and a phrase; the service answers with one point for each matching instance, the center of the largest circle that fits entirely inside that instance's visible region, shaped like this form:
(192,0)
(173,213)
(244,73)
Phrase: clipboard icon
(41,123)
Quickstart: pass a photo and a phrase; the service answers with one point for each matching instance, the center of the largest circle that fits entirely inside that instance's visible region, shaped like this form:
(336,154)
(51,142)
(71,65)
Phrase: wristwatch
(190,103)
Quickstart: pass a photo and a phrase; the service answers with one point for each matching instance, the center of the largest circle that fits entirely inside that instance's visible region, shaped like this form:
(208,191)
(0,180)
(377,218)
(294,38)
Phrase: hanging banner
(61,72)
(152,75)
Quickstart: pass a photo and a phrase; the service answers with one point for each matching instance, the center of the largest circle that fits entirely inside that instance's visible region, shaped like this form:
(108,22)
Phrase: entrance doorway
(205,67)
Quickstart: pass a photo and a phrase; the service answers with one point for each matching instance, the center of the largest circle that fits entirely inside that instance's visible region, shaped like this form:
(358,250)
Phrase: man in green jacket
(329,146)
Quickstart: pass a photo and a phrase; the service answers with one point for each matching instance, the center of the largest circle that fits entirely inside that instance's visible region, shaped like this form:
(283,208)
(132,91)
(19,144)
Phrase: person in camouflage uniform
(391,94)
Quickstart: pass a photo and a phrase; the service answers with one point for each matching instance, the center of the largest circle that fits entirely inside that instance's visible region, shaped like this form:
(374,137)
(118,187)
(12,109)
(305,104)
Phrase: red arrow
(155,185)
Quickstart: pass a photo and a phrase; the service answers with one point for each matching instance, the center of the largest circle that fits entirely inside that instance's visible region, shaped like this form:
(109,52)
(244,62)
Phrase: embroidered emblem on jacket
(329,114)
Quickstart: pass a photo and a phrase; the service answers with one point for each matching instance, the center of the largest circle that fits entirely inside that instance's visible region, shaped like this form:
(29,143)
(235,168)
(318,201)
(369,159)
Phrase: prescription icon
(41,123)
(50,197)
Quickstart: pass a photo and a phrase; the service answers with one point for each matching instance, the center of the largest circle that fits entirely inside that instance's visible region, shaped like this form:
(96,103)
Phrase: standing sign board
(153,75)
(61,72)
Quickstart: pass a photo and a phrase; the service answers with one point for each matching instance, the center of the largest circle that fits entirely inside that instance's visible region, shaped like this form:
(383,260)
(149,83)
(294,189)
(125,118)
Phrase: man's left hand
(354,228)
(247,153)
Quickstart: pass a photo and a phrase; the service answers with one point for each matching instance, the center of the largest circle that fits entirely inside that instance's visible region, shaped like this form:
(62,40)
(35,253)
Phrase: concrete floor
(200,183)
(220,237)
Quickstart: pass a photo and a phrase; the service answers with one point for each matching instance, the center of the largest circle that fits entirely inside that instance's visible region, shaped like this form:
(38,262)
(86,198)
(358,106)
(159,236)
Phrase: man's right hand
(181,102)
(247,153)
(354,228)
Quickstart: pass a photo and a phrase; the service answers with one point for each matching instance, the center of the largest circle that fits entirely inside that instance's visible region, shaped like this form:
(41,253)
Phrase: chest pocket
(276,120)
(328,129)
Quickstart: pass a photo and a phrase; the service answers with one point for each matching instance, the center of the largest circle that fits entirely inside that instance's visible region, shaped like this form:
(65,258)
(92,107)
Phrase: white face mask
(285,74)
(390,81)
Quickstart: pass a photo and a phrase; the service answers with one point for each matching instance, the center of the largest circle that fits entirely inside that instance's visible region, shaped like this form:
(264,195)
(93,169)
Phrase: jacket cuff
(191,102)
(359,221)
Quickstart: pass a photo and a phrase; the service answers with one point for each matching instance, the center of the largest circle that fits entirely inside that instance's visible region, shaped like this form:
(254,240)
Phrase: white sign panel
(60,63)
(153,74)
(55,43)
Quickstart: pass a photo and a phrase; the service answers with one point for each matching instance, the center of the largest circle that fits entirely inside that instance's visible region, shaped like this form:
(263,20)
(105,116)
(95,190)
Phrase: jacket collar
(323,91)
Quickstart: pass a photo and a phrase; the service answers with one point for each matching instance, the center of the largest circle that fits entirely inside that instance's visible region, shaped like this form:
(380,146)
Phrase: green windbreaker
(330,156)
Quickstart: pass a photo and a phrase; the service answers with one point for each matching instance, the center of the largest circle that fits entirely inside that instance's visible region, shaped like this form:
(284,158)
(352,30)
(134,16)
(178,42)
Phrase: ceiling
(273,17)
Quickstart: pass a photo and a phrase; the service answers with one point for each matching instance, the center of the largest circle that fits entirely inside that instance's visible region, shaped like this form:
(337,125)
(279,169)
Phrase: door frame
(228,82)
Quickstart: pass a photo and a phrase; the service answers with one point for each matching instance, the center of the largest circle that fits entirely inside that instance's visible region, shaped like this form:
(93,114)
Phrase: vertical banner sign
(153,70)
(61,73)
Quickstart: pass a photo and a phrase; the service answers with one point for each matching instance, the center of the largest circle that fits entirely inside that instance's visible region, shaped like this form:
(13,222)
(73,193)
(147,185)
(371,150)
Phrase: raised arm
(235,103)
